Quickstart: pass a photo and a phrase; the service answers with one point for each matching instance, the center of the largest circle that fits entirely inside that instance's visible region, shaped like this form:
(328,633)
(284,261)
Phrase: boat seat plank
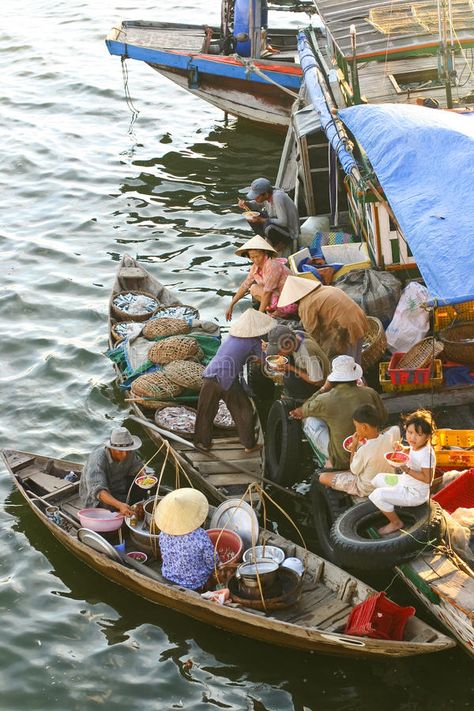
(28,471)
(327,611)
(426,635)
(47,482)
(204,468)
(228,453)
(19,460)
(307,603)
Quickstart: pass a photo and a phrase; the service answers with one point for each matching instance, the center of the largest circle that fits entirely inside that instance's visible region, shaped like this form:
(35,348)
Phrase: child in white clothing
(411,488)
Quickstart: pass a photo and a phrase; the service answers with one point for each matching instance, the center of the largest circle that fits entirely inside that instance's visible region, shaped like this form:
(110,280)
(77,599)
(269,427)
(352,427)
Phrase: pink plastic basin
(100,520)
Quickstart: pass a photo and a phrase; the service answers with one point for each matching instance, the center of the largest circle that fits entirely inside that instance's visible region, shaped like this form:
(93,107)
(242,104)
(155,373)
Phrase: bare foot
(390,528)
(257,448)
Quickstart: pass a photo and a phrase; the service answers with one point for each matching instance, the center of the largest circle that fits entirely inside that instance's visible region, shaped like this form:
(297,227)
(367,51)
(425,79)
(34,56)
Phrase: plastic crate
(436,381)
(379,617)
(458,494)
(405,376)
(445,315)
(454,457)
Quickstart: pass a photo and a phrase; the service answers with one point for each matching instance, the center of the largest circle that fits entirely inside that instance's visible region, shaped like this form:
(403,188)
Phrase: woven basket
(185,373)
(375,343)
(159,327)
(458,341)
(175,348)
(161,414)
(421,355)
(177,311)
(124,315)
(154,385)
(117,334)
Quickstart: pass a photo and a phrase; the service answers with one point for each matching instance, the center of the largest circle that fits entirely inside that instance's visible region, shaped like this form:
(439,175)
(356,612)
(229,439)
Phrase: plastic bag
(377,293)
(411,321)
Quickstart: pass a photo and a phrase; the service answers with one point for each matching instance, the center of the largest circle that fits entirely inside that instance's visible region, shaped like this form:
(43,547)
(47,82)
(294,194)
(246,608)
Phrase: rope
(250,67)
(128,98)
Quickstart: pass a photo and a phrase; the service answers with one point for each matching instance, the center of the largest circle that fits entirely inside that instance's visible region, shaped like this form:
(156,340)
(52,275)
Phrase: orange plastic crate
(462,458)
(445,315)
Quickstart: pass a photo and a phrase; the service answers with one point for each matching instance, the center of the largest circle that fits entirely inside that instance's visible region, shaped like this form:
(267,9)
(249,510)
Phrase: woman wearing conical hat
(265,280)
(221,379)
(334,320)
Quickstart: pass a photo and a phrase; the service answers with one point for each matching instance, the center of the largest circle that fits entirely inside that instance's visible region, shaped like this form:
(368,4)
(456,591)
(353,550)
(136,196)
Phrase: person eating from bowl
(186,550)
(221,380)
(331,317)
(265,280)
(109,472)
(307,367)
(327,415)
(278,218)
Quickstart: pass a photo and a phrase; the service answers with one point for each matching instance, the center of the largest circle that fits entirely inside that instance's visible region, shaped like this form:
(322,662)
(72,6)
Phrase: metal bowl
(258,552)
(264,570)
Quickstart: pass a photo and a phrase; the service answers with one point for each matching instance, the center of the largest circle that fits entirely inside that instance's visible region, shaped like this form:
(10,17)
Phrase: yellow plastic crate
(388,387)
(455,438)
(445,315)
(463,458)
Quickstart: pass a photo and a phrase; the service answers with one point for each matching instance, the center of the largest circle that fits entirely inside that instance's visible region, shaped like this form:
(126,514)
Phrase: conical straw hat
(255,243)
(295,288)
(252,324)
(181,511)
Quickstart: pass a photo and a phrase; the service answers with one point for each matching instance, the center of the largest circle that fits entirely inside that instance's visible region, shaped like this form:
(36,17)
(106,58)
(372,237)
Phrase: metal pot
(258,552)
(264,570)
(148,510)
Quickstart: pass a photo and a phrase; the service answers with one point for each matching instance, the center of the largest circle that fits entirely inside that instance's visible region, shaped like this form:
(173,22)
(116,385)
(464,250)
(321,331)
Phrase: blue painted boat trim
(185,63)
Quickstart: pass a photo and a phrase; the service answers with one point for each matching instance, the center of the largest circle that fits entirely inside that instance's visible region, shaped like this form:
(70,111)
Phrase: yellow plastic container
(388,387)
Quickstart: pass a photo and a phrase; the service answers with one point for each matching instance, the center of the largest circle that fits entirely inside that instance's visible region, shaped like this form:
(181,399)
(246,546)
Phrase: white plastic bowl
(100,520)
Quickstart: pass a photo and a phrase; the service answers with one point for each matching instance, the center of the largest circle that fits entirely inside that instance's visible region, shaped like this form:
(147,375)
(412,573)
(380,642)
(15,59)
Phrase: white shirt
(369,458)
(419,459)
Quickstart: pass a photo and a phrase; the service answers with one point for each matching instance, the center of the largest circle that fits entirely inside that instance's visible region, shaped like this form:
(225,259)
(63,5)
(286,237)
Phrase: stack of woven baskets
(175,348)
(458,342)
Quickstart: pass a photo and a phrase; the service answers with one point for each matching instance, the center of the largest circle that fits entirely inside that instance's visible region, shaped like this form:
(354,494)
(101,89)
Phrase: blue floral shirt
(188,560)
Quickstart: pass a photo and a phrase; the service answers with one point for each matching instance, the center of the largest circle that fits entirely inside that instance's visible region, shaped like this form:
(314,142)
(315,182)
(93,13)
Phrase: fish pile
(178,312)
(135,304)
(177,419)
(223,417)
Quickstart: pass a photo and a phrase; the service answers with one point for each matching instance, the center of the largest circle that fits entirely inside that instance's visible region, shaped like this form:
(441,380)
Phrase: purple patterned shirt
(188,560)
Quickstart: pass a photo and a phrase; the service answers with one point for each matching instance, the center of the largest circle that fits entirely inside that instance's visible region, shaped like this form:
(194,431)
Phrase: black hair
(422,421)
(366,415)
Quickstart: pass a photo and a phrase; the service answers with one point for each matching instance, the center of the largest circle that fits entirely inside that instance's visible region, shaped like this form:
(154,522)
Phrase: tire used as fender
(283,444)
(327,505)
(354,548)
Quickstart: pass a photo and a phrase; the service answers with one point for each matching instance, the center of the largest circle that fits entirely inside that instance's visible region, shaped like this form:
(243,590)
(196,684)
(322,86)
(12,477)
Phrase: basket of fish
(134,305)
(177,311)
(180,419)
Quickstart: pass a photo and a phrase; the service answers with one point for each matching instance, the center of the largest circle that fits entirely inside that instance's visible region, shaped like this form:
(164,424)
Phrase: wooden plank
(308,602)
(47,482)
(19,460)
(228,453)
(459,588)
(456,395)
(326,611)
(28,472)
(205,468)
(428,634)
(226,480)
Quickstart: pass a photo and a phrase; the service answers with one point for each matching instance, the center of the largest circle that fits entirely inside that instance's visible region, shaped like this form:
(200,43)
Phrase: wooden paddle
(170,435)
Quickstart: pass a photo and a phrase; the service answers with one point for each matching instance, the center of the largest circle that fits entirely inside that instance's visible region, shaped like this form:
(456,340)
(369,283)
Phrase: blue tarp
(424,161)
(310,69)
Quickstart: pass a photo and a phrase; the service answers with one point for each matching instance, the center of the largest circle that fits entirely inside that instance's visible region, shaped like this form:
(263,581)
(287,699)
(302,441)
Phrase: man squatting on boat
(109,472)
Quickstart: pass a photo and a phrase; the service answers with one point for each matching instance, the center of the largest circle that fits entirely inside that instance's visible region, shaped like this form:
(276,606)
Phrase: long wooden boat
(227,66)
(215,478)
(314,623)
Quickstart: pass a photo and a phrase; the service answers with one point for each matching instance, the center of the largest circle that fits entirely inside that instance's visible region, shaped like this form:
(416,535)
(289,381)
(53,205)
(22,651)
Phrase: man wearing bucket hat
(266,278)
(331,317)
(307,366)
(186,549)
(328,415)
(278,220)
(221,380)
(109,472)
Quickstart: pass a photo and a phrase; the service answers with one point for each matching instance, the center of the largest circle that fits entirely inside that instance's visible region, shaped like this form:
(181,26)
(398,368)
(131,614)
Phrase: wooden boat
(314,623)
(228,66)
(445,585)
(213,476)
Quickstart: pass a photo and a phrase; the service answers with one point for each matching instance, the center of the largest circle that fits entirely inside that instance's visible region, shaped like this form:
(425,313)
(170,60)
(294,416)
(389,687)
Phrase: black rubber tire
(283,444)
(261,387)
(355,549)
(327,505)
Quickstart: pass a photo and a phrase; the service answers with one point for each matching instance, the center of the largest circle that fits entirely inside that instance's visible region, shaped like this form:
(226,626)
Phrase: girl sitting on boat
(411,488)
(266,278)
(186,549)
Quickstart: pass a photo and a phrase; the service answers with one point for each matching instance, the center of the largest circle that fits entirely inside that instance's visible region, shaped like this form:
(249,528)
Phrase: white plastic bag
(411,321)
